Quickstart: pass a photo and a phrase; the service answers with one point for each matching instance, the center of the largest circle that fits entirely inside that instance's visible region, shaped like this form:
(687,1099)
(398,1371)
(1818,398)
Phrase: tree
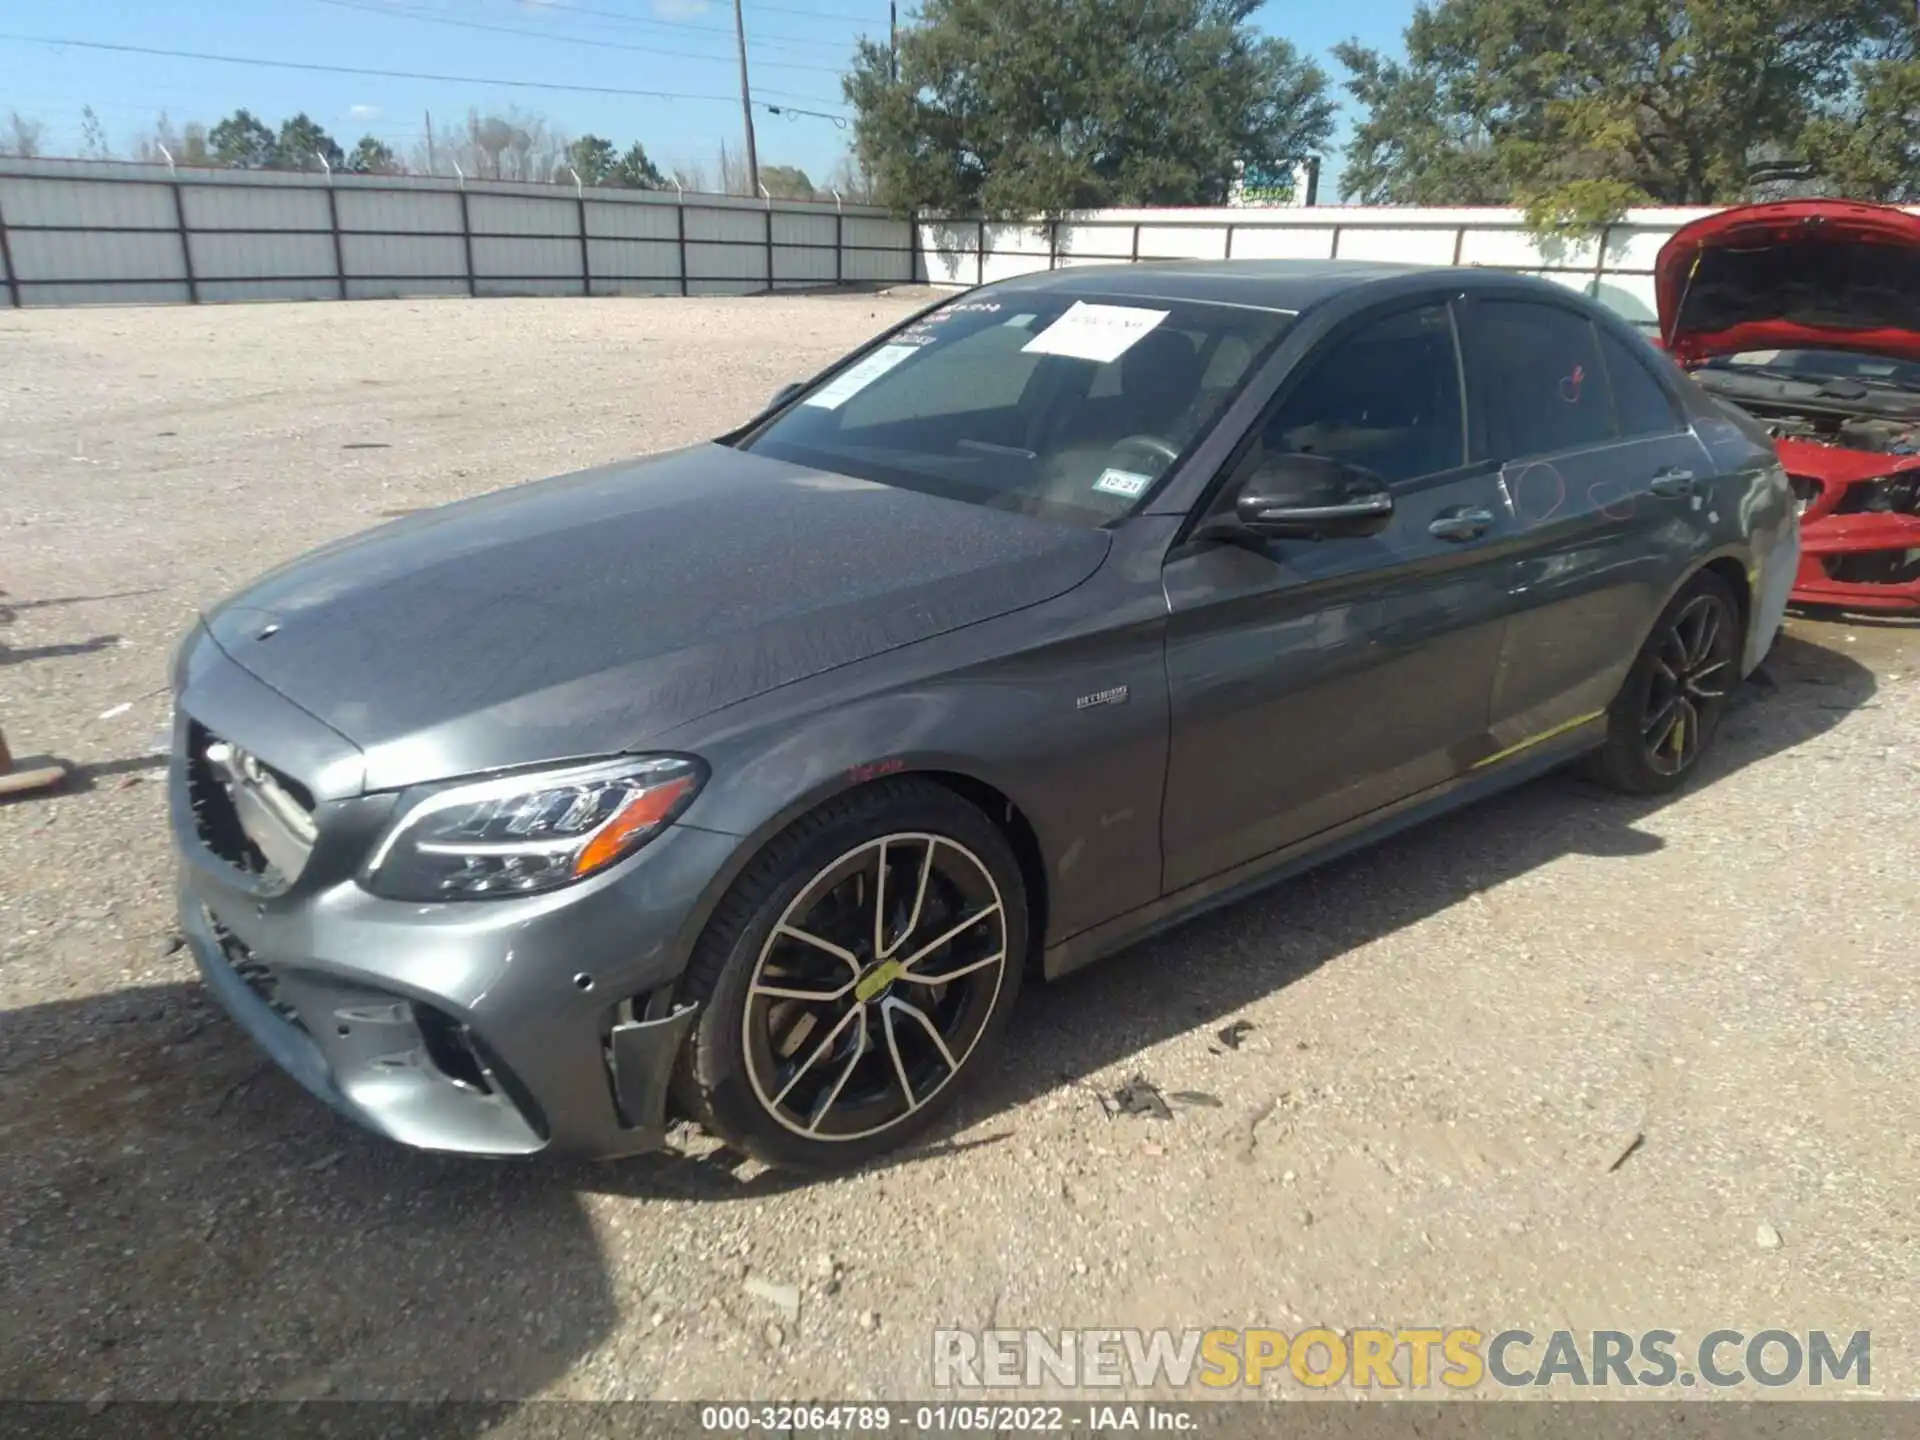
(242,142)
(854,183)
(93,136)
(372,157)
(786,182)
(1869,145)
(593,158)
(22,136)
(190,145)
(1025,107)
(1577,109)
(302,143)
(636,172)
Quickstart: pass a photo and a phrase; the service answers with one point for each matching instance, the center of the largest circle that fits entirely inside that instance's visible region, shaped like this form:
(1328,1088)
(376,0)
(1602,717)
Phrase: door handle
(1461,524)
(1671,483)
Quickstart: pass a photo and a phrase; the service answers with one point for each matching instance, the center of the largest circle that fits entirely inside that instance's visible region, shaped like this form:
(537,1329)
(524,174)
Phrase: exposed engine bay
(1871,434)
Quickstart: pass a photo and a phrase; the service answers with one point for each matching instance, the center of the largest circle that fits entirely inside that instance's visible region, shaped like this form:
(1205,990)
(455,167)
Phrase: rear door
(1314,681)
(1603,477)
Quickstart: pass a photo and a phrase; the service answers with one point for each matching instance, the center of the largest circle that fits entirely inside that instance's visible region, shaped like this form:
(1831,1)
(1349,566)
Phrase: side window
(1640,402)
(1385,397)
(983,371)
(1545,385)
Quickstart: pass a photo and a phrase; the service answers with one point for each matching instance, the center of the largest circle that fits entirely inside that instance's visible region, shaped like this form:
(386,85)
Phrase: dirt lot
(1455,1037)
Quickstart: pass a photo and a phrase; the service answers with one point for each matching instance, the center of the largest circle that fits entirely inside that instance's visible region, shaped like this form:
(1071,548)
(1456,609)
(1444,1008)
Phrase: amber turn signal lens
(642,813)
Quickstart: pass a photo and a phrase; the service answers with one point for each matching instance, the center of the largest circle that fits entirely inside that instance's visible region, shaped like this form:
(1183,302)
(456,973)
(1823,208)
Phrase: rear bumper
(1861,562)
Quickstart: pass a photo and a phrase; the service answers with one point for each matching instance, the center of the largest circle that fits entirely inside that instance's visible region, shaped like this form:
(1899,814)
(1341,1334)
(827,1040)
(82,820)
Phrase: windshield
(1815,365)
(1048,404)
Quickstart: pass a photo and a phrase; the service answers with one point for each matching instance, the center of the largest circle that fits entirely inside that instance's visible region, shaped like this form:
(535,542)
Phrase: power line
(720,31)
(315,66)
(816,14)
(395,12)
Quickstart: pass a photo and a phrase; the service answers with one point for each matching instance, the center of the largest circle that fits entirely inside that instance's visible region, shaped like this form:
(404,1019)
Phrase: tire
(821,1041)
(1663,721)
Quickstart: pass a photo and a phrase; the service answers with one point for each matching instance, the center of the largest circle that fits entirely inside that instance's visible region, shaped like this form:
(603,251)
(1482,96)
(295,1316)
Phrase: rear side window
(1640,402)
(1544,381)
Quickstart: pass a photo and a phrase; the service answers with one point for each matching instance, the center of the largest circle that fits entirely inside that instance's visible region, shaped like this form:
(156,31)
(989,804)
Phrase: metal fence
(78,232)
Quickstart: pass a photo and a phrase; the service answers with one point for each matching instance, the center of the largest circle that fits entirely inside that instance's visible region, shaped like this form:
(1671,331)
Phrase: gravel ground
(1452,1039)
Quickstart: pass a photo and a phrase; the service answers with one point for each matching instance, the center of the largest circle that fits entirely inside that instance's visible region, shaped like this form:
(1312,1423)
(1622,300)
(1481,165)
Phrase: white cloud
(364,112)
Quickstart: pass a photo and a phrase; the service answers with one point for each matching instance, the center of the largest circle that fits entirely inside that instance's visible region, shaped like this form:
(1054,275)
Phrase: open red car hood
(1797,275)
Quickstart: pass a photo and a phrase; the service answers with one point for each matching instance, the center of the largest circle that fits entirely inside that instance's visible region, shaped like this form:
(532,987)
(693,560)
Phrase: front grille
(1891,495)
(259,978)
(1881,567)
(217,818)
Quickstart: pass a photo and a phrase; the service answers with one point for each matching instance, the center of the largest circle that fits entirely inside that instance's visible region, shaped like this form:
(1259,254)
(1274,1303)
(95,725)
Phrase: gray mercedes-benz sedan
(748,782)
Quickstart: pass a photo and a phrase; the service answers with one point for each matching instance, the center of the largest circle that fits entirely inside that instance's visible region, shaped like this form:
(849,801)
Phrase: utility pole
(746,103)
(429,142)
(893,41)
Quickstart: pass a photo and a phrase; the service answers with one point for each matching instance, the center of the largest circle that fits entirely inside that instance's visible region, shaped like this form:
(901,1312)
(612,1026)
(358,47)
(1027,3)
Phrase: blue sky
(681,47)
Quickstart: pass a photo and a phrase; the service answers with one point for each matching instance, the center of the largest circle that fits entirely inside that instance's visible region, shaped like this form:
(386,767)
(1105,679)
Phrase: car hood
(1800,274)
(586,614)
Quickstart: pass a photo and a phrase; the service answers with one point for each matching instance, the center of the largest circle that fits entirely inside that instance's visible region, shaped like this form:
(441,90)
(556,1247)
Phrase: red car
(1806,315)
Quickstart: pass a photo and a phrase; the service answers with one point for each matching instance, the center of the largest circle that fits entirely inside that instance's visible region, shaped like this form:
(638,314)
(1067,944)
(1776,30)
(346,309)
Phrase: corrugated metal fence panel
(811,265)
(411,210)
(513,215)
(631,221)
(93,292)
(740,226)
(794,228)
(96,255)
(1183,242)
(408,256)
(726,262)
(260,257)
(527,257)
(870,266)
(86,204)
(1410,246)
(634,259)
(228,207)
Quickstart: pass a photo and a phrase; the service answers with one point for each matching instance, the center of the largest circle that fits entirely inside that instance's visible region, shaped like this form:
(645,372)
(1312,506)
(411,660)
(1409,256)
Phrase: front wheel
(853,977)
(1668,711)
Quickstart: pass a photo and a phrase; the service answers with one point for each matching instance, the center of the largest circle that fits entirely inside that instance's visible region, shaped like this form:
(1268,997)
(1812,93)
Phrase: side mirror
(785,393)
(1312,497)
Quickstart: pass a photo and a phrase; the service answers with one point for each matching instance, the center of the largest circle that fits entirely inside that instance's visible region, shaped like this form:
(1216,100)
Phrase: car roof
(1286,286)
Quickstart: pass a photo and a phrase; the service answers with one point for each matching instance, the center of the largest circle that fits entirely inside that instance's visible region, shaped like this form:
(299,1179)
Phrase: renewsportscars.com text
(1376,1358)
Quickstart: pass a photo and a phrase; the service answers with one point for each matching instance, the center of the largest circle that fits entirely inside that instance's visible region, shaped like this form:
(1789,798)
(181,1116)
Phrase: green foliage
(1579,109)
(372,157)
(636,172)
(786,182)
(1030,107)
(241,142)
(593,159)
(93,136)
(1870,147)
(302,144)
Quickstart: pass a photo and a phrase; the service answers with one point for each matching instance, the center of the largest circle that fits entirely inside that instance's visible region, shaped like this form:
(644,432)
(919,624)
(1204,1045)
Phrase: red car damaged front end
(1806,314)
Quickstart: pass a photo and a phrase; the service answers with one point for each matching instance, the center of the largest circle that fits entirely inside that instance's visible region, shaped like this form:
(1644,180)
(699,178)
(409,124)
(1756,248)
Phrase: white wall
(1615,266)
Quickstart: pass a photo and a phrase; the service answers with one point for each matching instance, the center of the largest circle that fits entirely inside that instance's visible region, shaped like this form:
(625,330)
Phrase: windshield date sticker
(1122,482)
(849,383)
(1102,333)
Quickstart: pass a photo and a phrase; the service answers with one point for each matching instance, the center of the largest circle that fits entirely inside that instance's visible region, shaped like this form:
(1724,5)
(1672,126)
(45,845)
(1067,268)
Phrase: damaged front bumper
(1868,561)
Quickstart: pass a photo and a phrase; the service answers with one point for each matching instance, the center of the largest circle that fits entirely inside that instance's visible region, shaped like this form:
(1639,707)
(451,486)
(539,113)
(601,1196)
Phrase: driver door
(1314,681)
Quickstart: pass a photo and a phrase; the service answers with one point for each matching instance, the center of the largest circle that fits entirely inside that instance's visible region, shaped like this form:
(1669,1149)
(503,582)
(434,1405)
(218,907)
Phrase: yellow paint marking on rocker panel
(1532,740)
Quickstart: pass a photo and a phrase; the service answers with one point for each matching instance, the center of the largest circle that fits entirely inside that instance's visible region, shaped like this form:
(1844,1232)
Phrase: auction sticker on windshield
(850,382)
(1122,482)
(1102,333)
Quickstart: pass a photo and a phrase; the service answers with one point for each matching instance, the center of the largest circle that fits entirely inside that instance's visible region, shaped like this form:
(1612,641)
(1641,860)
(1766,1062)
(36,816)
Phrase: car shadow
(186,1221)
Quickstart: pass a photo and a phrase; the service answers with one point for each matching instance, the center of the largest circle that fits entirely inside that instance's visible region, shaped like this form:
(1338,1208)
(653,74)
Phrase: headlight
(522,834)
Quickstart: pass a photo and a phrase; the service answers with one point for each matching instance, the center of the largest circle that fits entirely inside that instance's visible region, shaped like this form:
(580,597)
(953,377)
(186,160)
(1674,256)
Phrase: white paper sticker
(1094,332)
(849,383)
(1122,482)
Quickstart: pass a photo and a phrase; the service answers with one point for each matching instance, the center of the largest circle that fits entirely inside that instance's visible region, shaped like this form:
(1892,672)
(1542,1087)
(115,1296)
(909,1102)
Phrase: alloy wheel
(1691,671)
(874,986)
